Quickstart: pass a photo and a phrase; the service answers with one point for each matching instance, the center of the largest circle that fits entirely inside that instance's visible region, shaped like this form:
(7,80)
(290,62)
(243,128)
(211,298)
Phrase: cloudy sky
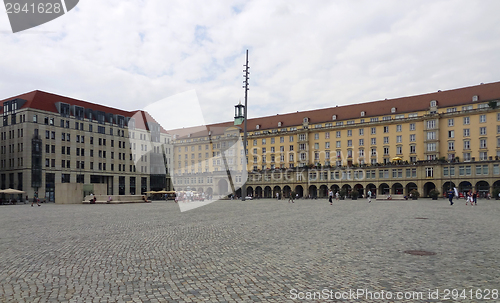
(303,54)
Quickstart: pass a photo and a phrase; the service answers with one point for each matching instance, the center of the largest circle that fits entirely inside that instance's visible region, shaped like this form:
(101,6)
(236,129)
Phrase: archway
(222,187)
(268,193)
(496,184)
(427,188)
(209,191)
(358,189)
(397,189)
(277,190)
(335,188)
(323,191)
(238,193)
(446,186)
(371,187)
(411,186)
(299,191)
(258,192)
(464,187)
(249,191)
(482,187)
(384,189)
(347,189)
(286,191)
(313,191)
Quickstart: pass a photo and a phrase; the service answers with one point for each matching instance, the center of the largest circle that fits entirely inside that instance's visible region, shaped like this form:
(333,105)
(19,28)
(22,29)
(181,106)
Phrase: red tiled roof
(455,97)
(47,102)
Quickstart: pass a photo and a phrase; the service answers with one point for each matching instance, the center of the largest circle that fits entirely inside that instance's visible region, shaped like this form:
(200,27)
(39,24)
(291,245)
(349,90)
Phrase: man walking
(369,196)
(450,196)
(330,196)
(35,198)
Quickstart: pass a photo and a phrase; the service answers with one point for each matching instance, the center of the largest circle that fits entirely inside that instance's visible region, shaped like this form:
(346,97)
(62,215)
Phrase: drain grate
(419,252)
(421,218)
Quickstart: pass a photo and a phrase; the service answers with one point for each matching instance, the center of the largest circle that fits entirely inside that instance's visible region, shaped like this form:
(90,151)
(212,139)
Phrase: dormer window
(433,103)
(393,110)
(257,126)
(279,124)
(475,98)
(363,113)
(306,120)
(334,117)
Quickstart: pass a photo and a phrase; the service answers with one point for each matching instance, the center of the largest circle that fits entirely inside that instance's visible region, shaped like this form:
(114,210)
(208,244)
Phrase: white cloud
(303,55)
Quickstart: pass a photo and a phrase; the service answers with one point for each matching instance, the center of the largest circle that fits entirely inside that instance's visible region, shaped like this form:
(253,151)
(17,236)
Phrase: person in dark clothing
(450,196)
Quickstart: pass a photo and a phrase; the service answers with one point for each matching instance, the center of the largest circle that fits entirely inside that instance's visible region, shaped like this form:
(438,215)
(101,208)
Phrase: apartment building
(48,139)
(389,146)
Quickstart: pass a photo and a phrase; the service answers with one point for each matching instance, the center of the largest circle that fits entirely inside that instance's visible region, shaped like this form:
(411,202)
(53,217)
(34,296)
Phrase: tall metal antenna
(245,162)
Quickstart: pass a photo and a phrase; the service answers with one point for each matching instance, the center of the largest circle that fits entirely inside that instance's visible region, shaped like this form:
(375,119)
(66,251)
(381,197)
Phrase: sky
(303,55)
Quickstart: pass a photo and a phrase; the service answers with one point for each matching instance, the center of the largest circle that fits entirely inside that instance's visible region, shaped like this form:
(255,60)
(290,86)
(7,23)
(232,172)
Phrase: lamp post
(244,188)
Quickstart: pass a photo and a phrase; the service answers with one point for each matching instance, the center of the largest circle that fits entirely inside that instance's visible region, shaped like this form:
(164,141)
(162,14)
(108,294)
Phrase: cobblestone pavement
(252,251)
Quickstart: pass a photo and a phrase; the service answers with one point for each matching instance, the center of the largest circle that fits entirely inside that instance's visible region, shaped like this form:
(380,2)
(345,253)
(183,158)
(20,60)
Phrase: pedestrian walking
(290,198)
(337,196)
(474,198)
(35,199)
(469,197)
(369,195)
(330,196)
(450,196)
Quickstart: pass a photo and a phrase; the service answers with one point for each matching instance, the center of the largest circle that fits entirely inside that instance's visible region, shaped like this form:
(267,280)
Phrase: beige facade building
(48,139)
(389,147)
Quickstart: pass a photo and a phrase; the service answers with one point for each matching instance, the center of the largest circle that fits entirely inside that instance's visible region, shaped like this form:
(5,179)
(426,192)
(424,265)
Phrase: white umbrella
(11,191)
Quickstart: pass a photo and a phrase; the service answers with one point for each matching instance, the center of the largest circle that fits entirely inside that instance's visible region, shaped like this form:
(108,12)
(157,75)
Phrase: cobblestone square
(253,251)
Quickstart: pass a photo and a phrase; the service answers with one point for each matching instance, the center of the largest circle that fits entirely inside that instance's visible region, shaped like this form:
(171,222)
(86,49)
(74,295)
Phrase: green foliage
(415,193)
(434,193)
(493,104)
(342,193)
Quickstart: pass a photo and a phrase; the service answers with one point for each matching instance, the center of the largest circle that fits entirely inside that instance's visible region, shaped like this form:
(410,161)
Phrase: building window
(386,129)
(373,131)
(451,122)
(466,120)
(429,172)
(451,145)
(482,131)
(483,156)
(386,140)
(466,132)
(361,142)
(373,141)
(451,134)
(431,124)
(482,143)
(361,131)
(412,138)
(466,156)
(482,118)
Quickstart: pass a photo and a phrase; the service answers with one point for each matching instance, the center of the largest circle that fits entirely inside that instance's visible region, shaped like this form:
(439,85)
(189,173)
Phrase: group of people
(470,196)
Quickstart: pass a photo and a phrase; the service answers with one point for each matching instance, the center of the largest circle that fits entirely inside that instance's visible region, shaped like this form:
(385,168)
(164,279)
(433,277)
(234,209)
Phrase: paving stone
(252,251)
